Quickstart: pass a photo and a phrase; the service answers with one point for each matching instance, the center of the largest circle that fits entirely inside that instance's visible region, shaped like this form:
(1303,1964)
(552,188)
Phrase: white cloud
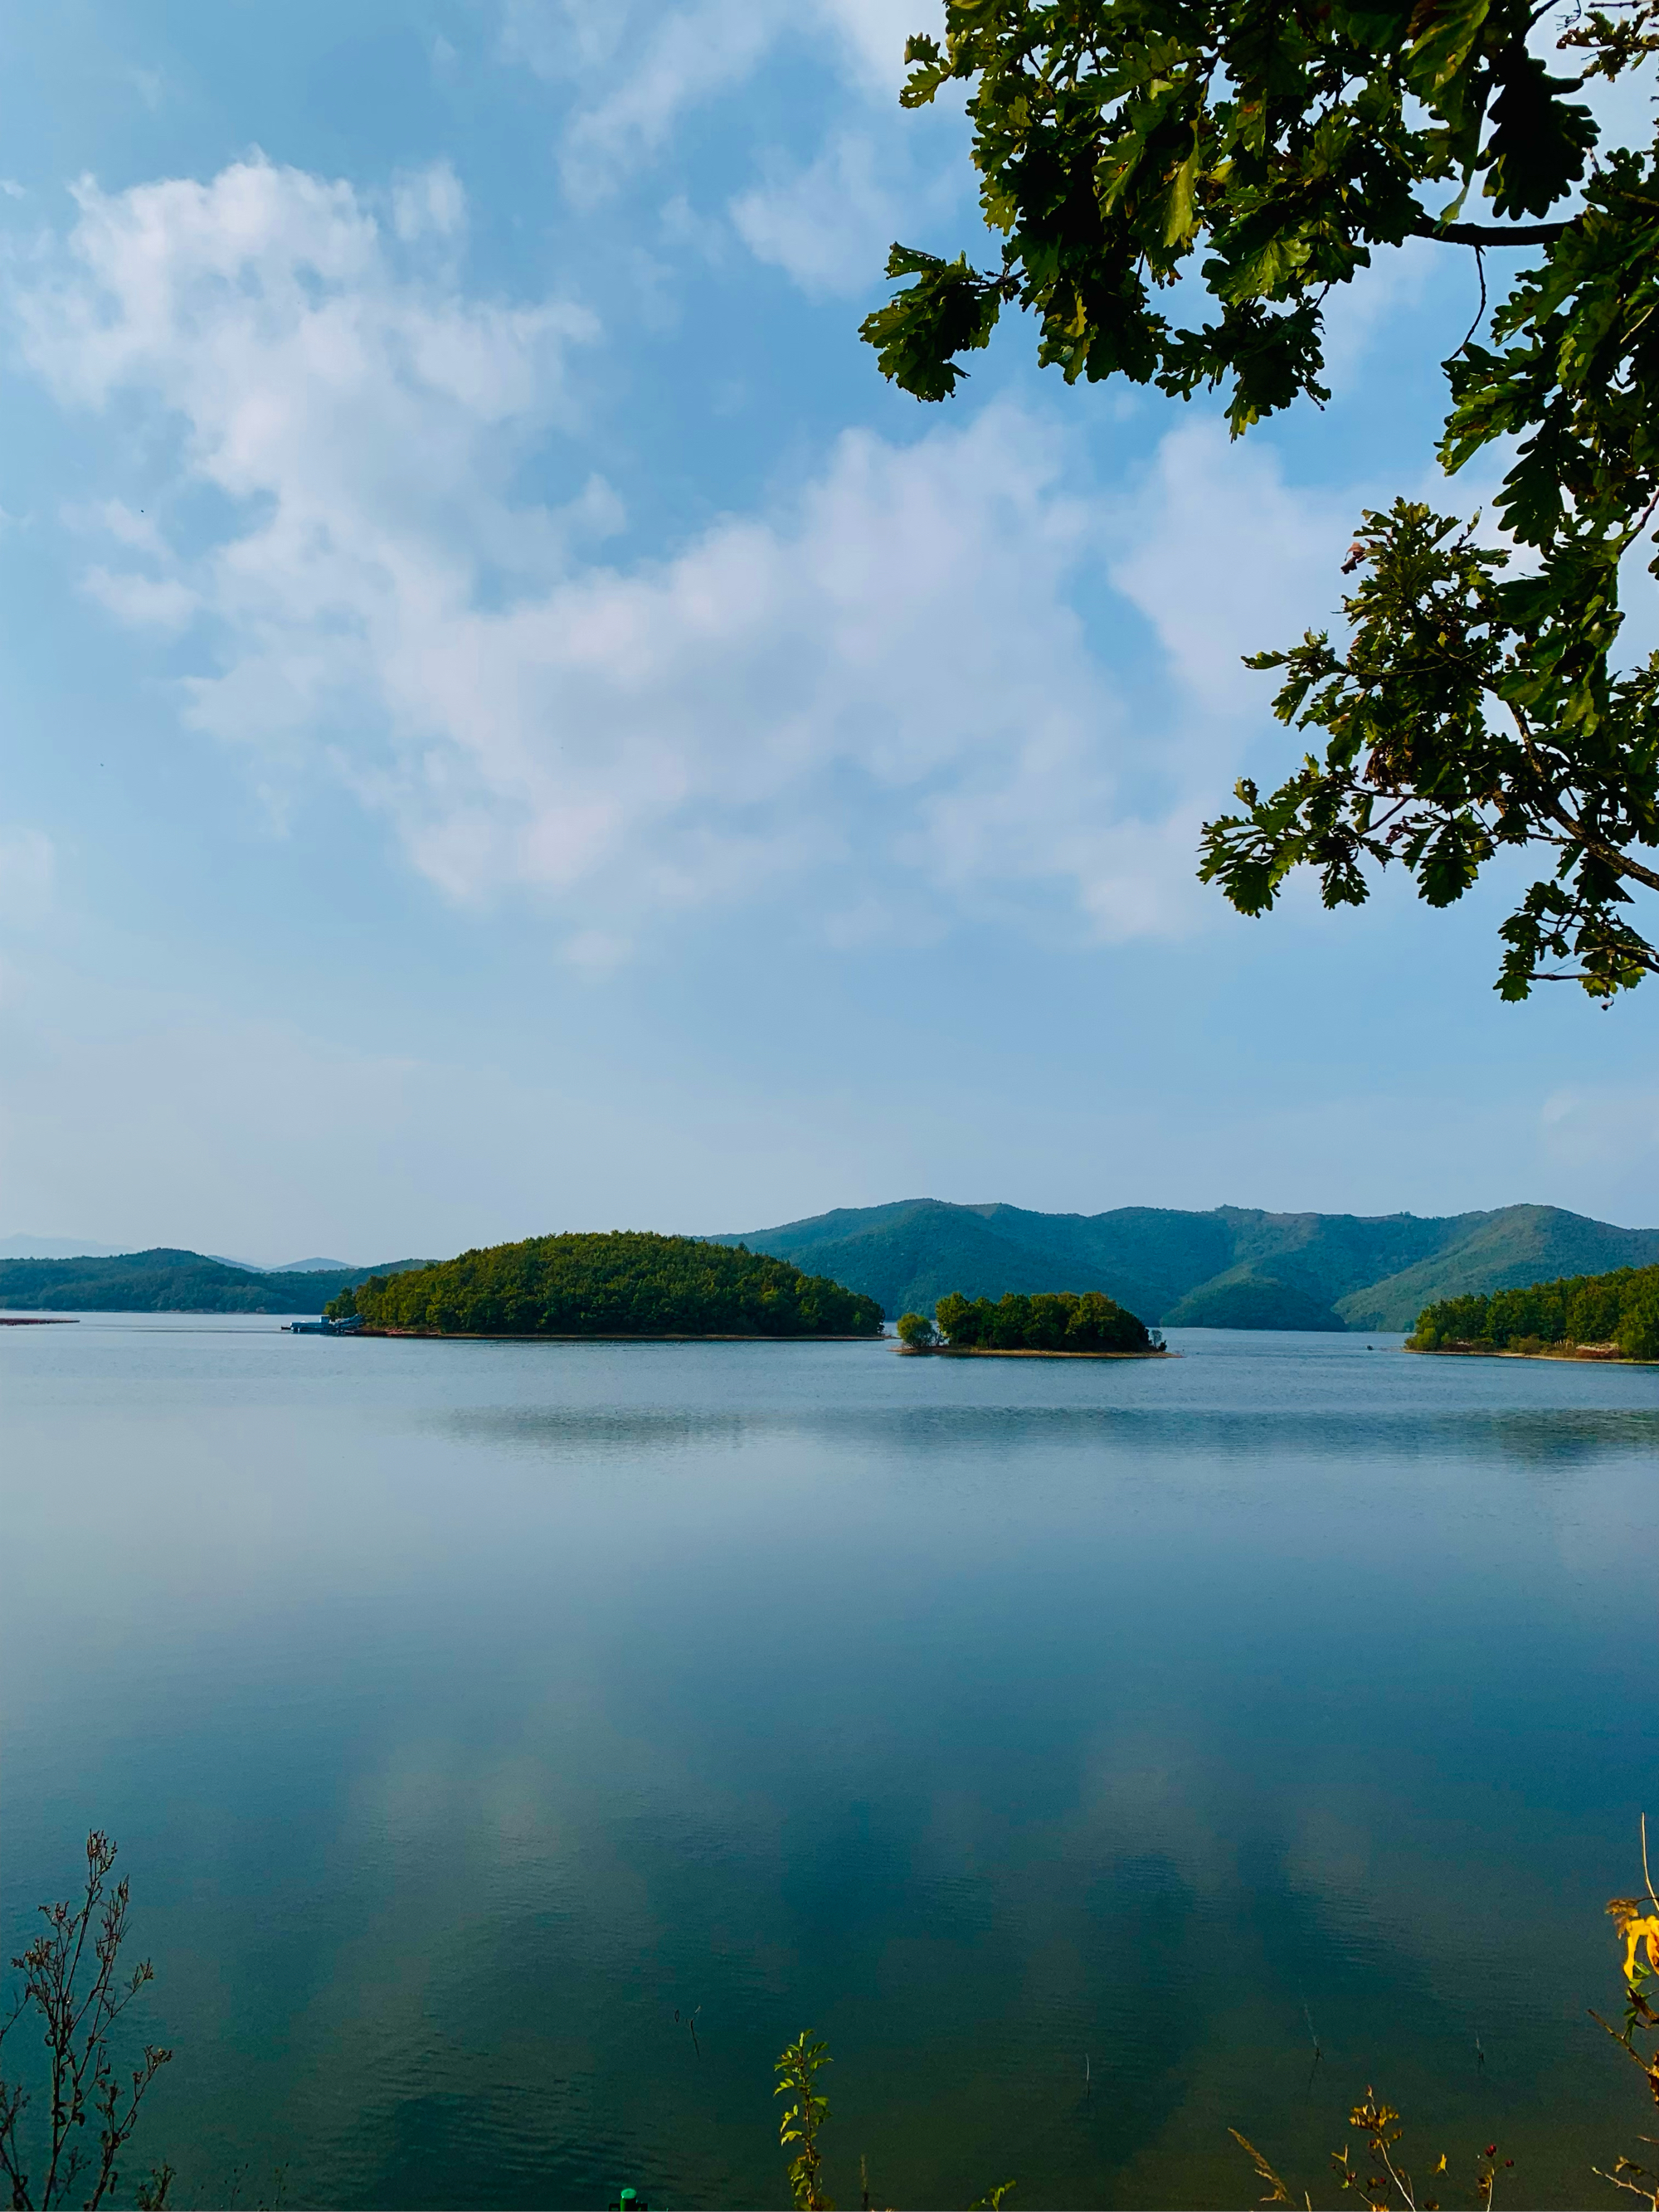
(828,226)
(1224,558)
(587,39)
(873,32)
(430,204)
(355,413)
(882,671)
(128,526)
(687,234)
(179,287)
(1360,314)
(638,67)
(142,602)
(565,39)
(879,678)
(641,74)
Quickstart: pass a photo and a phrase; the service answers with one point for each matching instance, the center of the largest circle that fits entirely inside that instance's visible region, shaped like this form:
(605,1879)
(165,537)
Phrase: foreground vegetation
(1618,1311)
(74,1993)
(1374,2170)
(622,1283)
(1048,1320)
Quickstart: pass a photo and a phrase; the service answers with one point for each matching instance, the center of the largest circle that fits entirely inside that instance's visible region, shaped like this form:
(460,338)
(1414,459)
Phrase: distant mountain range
(168,1281)
(313,1267)
(1234,1268)
(81,1248)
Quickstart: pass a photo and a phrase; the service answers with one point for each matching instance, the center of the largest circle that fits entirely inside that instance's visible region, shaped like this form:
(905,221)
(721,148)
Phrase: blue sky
(513,725)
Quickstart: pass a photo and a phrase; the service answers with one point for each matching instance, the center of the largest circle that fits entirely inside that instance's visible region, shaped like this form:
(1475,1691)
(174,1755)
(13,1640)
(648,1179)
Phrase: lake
(1096,1754)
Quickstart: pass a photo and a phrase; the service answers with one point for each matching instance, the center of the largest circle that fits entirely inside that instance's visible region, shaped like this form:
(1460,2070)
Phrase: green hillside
(1245,1299)
(167,1281)
(626,1283)
(1234,1266)
(1503,1251)
(911,1254)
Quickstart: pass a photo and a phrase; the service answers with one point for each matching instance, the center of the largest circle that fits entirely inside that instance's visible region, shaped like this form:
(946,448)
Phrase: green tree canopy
(622,1283)
(1282,142)
(1621,1309)
(1048,1320)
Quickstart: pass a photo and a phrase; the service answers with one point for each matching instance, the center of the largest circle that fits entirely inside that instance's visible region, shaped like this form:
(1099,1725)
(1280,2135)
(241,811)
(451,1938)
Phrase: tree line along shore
(1611,1317)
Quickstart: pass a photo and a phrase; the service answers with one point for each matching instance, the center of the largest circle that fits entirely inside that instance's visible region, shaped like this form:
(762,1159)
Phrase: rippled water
(465,1712)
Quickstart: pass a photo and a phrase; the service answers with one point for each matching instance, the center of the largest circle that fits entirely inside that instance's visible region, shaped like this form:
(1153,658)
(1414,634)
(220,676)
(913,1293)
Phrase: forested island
(1611,1316)
(625,1283)
(1059,1324)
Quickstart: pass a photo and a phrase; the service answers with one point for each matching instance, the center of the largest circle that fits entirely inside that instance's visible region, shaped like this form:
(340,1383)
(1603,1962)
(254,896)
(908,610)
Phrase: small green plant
(72,1985)
(917,1331)
(798,2068)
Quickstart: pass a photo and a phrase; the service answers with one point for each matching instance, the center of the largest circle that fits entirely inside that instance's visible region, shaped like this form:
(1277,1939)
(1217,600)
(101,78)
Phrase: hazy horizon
(24,1246)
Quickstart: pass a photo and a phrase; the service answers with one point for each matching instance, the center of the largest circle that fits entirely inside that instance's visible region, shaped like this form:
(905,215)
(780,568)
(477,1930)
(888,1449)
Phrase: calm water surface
(465,1712)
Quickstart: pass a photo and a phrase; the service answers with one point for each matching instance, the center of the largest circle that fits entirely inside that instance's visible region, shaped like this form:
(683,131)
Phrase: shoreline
(544,1336)
(1021,1351)
(1588,1355)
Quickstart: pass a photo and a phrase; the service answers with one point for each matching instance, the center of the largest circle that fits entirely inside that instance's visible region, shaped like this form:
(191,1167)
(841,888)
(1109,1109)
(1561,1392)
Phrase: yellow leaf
(1637,1927)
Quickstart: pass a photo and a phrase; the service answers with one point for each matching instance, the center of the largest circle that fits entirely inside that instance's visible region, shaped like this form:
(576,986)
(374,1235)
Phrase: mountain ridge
(1181,1268)
(167,1278)
(1229,1267)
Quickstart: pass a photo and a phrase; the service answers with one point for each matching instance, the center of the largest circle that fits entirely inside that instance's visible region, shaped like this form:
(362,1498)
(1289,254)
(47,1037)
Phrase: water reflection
(1556,1434)
(465,1718)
